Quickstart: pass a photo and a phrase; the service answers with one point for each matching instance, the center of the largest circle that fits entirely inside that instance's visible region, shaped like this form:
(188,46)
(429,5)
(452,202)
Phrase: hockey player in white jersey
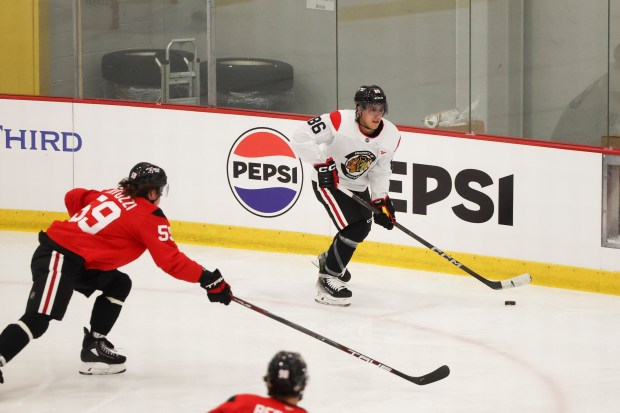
(353,149)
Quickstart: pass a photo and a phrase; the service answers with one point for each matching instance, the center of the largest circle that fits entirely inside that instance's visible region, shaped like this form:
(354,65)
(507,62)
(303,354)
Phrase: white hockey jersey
(362,161)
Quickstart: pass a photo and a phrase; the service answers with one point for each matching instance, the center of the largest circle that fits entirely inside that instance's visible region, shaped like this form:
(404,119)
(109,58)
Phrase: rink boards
(500,206)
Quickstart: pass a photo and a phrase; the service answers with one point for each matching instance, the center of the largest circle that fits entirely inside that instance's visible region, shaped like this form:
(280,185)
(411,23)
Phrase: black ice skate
(332,291)
(99,356)
(320,264)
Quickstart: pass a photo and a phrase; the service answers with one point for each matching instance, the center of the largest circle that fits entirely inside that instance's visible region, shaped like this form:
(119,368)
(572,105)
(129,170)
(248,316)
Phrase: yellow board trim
(391,255)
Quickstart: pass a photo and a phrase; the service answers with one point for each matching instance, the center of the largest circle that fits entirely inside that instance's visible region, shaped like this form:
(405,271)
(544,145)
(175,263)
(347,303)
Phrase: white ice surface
(556,351)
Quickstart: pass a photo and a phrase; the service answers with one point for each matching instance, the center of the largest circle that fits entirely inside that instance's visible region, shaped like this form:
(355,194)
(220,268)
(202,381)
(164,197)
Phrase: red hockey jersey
(250,403)
(109,230)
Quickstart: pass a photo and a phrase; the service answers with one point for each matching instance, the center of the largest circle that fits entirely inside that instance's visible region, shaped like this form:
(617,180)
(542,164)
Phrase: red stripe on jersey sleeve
(336,119)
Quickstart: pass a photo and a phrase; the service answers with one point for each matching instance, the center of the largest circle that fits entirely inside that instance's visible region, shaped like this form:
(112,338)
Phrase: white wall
(556,200)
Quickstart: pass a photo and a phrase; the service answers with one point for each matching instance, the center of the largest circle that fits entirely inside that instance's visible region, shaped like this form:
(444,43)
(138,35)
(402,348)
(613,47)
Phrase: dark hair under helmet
(143,178)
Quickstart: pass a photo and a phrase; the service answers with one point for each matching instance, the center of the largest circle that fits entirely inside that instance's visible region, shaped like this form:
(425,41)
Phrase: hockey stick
(517,281)
(441,373)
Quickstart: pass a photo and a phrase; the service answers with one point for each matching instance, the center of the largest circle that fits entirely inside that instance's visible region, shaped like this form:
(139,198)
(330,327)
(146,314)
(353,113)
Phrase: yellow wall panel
(19,42)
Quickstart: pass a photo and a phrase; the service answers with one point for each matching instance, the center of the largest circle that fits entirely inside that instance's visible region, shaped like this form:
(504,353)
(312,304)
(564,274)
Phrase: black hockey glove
(328,174)
(218,290)
(385,217)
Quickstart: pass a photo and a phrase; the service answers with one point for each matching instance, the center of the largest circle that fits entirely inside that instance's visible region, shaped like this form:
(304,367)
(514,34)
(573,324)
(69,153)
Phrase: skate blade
(324,298)
(101,369)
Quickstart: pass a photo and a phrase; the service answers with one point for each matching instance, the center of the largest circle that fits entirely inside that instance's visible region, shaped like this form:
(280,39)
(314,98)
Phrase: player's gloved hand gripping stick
(517,281)
(218,290)
(384,213)
(327,174)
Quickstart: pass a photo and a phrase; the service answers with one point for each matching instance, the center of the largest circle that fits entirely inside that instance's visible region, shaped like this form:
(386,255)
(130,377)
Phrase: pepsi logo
(264,174)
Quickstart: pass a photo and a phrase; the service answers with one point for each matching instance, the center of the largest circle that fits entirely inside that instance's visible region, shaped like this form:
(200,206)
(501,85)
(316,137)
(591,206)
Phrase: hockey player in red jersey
(286,380)
(107,230)
(353,149)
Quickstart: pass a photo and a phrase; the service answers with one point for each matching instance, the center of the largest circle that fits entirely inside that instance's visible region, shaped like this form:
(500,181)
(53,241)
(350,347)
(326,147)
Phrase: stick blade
(517,281)
(441,373)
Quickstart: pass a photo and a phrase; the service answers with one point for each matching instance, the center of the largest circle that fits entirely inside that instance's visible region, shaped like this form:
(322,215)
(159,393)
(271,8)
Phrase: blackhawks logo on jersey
(357,163)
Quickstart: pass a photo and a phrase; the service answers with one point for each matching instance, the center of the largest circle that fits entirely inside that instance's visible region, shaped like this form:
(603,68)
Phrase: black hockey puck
(510,303)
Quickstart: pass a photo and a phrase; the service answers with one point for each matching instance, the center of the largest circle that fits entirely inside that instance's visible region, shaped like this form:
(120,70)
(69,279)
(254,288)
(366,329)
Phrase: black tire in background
(250,74)
(138,67)
(242,82)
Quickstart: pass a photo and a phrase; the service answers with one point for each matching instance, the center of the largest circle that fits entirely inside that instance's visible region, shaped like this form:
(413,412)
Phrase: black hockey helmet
(286,375)
(144,177)
(369,95)
(147,173)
